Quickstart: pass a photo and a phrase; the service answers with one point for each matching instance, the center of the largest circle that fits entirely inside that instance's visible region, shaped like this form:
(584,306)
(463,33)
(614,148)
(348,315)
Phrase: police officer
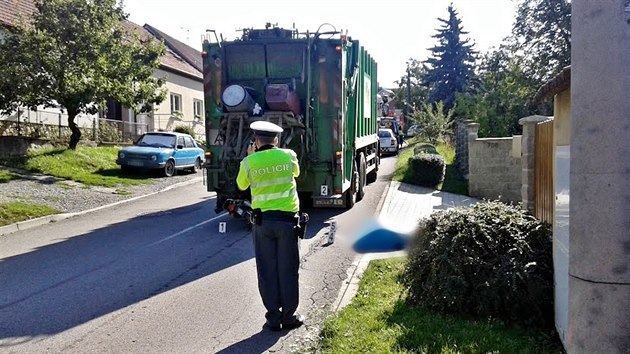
(270,173)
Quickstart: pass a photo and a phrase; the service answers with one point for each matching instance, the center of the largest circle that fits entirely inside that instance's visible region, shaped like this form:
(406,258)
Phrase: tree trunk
(76,132)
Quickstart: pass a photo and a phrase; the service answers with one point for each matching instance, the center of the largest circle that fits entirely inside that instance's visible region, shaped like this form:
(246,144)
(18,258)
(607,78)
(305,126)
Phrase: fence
(543,172)
(53,125)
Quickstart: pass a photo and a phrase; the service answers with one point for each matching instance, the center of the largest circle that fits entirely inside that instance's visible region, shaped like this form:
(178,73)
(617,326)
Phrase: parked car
(167,151)
(413,130)
(388,141)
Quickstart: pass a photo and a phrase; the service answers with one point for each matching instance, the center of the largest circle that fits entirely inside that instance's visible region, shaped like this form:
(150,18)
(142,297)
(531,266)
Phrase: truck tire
(362,182)
(371,177)
(351,194)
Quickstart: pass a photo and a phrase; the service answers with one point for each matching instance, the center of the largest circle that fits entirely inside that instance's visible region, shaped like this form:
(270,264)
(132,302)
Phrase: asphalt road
(155,275)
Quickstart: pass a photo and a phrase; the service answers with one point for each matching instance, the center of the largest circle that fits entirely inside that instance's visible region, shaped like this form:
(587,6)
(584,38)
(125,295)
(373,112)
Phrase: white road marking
(187,229)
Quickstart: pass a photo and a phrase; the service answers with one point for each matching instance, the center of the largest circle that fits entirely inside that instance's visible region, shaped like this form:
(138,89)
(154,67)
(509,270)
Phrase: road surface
(155,275)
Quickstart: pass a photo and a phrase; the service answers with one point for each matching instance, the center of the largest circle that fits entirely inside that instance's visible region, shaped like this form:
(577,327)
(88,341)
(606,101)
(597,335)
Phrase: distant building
(181,66)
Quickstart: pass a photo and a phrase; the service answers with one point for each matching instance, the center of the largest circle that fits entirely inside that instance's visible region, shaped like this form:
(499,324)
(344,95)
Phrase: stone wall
(11,146)
(494,172)
(464,128)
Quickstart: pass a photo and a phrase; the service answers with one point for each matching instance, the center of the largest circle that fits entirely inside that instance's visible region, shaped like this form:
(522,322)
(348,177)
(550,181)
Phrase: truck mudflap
(332,201)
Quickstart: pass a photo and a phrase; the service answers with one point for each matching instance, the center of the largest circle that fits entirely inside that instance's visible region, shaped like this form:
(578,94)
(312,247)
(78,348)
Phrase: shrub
(491,260)
(425,148)
(184,129)
(427,169)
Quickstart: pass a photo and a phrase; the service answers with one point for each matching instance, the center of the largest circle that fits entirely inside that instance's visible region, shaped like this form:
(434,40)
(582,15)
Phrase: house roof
(12,10)
(177,58)
(561,82)
(191,55)
(171,61)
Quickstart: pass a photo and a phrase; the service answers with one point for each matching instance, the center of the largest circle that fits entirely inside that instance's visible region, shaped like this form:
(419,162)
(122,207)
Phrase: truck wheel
(371,177)
(351,193)
(361,185)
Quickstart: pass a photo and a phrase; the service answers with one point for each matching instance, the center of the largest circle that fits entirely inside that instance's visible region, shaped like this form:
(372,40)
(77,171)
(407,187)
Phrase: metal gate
(543,169)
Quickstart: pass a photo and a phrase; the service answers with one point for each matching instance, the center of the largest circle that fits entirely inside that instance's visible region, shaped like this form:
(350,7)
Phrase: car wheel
(197,166)
(169,168)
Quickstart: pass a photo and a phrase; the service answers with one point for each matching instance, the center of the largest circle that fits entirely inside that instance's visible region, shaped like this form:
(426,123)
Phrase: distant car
(388,141)
(167,151)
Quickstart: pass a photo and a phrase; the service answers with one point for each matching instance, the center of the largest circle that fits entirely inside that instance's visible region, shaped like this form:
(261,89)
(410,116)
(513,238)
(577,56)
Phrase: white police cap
(264,128)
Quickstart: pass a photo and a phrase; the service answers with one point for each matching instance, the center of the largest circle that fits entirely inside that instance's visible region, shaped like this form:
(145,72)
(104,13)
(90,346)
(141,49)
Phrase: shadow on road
(258,343)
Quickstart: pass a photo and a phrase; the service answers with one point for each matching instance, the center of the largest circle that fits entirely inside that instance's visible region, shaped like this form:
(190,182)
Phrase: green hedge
(425,148)
(491,260)
(185,129)
(427,169)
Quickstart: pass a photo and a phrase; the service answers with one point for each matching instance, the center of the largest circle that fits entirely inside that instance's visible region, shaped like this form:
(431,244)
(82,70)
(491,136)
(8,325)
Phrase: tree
(510,76)
(542,32)
(419,94)
(504,96)
(76,54)
(451,67)
(433,121)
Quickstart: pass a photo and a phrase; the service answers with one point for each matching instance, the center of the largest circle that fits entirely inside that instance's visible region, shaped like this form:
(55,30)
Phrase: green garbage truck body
(319,87)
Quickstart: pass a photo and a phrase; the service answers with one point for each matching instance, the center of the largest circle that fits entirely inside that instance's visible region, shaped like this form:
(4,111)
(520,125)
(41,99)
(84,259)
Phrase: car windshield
(157,140)
(384,134)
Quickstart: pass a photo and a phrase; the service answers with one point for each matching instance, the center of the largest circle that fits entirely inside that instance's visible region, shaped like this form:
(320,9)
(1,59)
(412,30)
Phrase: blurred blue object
(377,238)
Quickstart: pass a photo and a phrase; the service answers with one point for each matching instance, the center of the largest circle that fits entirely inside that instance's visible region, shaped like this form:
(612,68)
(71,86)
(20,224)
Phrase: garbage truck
(320,87)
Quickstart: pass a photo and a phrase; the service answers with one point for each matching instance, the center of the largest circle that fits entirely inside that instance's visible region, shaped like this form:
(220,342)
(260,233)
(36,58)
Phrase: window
(176,103)
(189,142)
(198,108)
(180,141)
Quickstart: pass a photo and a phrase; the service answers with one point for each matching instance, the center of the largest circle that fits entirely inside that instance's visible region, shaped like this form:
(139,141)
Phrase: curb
(27,224)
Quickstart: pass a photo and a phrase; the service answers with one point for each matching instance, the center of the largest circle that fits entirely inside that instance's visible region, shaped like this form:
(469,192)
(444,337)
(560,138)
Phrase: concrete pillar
(599,251)
(528,153)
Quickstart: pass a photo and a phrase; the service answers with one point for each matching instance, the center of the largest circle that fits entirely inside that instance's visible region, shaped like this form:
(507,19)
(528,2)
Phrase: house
(180,66)
(592,182)
(559,89)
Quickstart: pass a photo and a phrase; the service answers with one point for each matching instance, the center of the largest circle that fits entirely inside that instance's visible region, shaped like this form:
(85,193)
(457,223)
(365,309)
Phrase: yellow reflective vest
(271,175)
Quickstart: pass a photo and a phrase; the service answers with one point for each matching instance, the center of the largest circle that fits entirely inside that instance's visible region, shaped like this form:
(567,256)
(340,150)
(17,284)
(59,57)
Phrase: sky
(392,31)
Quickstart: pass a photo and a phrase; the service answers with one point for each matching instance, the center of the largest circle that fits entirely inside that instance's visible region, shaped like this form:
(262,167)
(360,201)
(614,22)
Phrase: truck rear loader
(319,87)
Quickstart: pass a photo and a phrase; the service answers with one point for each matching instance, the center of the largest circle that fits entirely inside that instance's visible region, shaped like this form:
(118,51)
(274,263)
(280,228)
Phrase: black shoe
(272,327)
(299,321)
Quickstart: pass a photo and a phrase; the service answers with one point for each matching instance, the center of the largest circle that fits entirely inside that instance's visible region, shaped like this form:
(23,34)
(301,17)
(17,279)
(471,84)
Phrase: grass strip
(380,321)
(13,212)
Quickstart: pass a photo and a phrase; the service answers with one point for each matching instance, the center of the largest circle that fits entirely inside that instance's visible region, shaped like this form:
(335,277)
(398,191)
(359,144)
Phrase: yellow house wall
(562,118)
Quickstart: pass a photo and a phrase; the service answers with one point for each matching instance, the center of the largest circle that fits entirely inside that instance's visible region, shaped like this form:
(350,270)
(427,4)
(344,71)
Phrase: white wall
(189,90)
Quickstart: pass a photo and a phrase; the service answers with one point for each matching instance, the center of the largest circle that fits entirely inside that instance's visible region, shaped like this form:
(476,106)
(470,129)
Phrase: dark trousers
(277,263)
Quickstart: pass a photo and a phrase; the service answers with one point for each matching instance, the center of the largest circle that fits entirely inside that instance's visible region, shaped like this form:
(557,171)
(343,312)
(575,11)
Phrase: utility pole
(408,105)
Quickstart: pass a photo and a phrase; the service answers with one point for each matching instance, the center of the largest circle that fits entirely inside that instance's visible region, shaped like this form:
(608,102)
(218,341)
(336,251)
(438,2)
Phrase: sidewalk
(403,205)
